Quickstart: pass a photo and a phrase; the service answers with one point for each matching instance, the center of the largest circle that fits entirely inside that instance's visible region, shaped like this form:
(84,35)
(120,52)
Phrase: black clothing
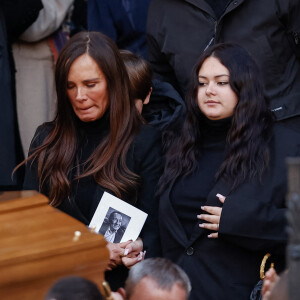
(179,30)
(124,21)
(218,6)
(190,192)
(252,223)
(143,158)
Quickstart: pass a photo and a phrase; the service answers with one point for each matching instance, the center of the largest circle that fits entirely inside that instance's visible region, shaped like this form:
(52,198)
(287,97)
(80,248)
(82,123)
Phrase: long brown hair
(107,164)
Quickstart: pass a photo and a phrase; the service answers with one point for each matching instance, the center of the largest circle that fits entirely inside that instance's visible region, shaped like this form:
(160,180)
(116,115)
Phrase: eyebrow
(221,75)
(87,80)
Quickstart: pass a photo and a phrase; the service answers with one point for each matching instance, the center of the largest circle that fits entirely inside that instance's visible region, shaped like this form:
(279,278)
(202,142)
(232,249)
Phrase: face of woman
(216,99)
(87,89)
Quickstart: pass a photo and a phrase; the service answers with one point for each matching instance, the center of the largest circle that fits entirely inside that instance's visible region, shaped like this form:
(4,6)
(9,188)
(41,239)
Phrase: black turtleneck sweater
(189,193)
(90,135)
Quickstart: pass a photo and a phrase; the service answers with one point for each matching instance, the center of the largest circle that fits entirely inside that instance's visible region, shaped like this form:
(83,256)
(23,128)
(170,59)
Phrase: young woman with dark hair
(97,143)
(222,193)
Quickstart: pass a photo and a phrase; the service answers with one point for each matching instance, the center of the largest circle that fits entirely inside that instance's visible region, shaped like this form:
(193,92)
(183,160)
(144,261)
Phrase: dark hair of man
(140,74)
(75,288)
(108,161)
(247,146)
(162,271)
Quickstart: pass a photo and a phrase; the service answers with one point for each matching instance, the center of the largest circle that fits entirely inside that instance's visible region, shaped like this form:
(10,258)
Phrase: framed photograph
(117,220)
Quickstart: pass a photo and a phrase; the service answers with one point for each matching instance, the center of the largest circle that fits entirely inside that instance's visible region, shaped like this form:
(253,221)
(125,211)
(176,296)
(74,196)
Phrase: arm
(253,224)
(31,180)
(49,20)
(150,171)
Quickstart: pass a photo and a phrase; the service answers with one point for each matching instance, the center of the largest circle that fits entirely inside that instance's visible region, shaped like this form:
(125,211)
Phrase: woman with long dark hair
(222,194)
(97,143)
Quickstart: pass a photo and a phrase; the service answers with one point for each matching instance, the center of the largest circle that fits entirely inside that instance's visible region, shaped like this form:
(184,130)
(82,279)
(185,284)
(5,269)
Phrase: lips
(84,108)
(211,102)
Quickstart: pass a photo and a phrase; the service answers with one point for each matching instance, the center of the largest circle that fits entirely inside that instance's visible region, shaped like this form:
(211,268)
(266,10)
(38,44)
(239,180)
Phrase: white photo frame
(133,219)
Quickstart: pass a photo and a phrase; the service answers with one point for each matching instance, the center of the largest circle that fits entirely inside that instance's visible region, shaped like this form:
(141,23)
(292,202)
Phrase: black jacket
(252,223)
(144,159)
(179,30)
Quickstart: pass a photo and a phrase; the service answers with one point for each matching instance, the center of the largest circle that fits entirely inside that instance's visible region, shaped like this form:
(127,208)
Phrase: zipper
(213,37)
(296,38)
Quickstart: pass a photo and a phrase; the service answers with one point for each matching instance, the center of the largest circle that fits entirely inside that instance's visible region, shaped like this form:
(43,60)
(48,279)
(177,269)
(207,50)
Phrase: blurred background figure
(35,53)
(15,18)
(124,21)
(74,288)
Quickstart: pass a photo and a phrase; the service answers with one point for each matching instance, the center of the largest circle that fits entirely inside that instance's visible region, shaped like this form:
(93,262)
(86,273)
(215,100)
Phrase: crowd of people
(193,130)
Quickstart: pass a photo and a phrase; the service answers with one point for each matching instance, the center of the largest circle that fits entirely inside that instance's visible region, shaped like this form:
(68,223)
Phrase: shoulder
(41,133)
(146,144)
(286,139)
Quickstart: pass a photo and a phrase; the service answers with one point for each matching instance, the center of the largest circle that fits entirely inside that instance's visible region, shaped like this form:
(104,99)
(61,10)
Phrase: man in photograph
(111,228)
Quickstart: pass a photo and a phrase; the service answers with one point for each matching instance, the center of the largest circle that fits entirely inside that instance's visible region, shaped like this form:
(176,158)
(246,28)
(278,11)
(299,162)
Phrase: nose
(80,95)
(210,89)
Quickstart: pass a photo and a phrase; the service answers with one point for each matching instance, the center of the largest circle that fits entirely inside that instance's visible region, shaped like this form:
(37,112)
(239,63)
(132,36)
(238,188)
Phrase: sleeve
(159,61)
(254,224)
(150,168)
(289,14)
(20,15)
(100,18)
(49,20)
(31,180)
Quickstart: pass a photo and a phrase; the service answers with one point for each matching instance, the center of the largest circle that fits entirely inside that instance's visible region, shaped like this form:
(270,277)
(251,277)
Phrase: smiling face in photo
(216,99)
(87,89)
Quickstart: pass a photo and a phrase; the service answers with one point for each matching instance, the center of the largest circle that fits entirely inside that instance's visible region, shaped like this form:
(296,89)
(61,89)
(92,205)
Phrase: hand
(270,279)
(134,253)
(213,217)
(116,252)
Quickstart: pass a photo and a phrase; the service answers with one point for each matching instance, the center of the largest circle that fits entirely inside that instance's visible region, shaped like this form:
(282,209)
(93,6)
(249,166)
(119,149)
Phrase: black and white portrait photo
(117,220)
(114,225)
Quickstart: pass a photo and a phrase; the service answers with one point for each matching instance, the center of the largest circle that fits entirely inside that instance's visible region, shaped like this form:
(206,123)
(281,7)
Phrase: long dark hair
(107,163)
(247,146)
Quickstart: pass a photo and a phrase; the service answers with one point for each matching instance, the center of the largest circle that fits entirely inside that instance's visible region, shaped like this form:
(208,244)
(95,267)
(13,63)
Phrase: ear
(147,99)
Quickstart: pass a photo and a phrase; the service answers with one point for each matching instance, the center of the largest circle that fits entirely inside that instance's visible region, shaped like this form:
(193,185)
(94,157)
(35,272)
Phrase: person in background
(222,193)
(178,31)
(124,21)
(140,78)
(155,279)
(74,288)
(97,143)
(15,18)
(35,53)
(160,106)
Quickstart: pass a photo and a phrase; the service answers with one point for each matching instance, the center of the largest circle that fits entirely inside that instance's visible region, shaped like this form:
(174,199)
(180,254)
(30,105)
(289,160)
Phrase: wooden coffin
(38,245)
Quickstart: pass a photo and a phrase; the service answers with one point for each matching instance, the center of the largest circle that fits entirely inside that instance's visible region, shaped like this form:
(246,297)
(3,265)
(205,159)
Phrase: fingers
(136,246)
(221,198)
(213,210)
(213,235)
(209,218)
(130,261)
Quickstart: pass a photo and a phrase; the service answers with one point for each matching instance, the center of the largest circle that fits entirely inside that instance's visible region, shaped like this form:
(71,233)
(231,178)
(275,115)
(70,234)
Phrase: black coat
(179,30)
(144,159)
(252,223)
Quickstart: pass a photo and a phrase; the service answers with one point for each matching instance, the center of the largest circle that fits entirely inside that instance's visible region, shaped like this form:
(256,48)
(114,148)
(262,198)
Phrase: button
(235,2)
(190,251)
